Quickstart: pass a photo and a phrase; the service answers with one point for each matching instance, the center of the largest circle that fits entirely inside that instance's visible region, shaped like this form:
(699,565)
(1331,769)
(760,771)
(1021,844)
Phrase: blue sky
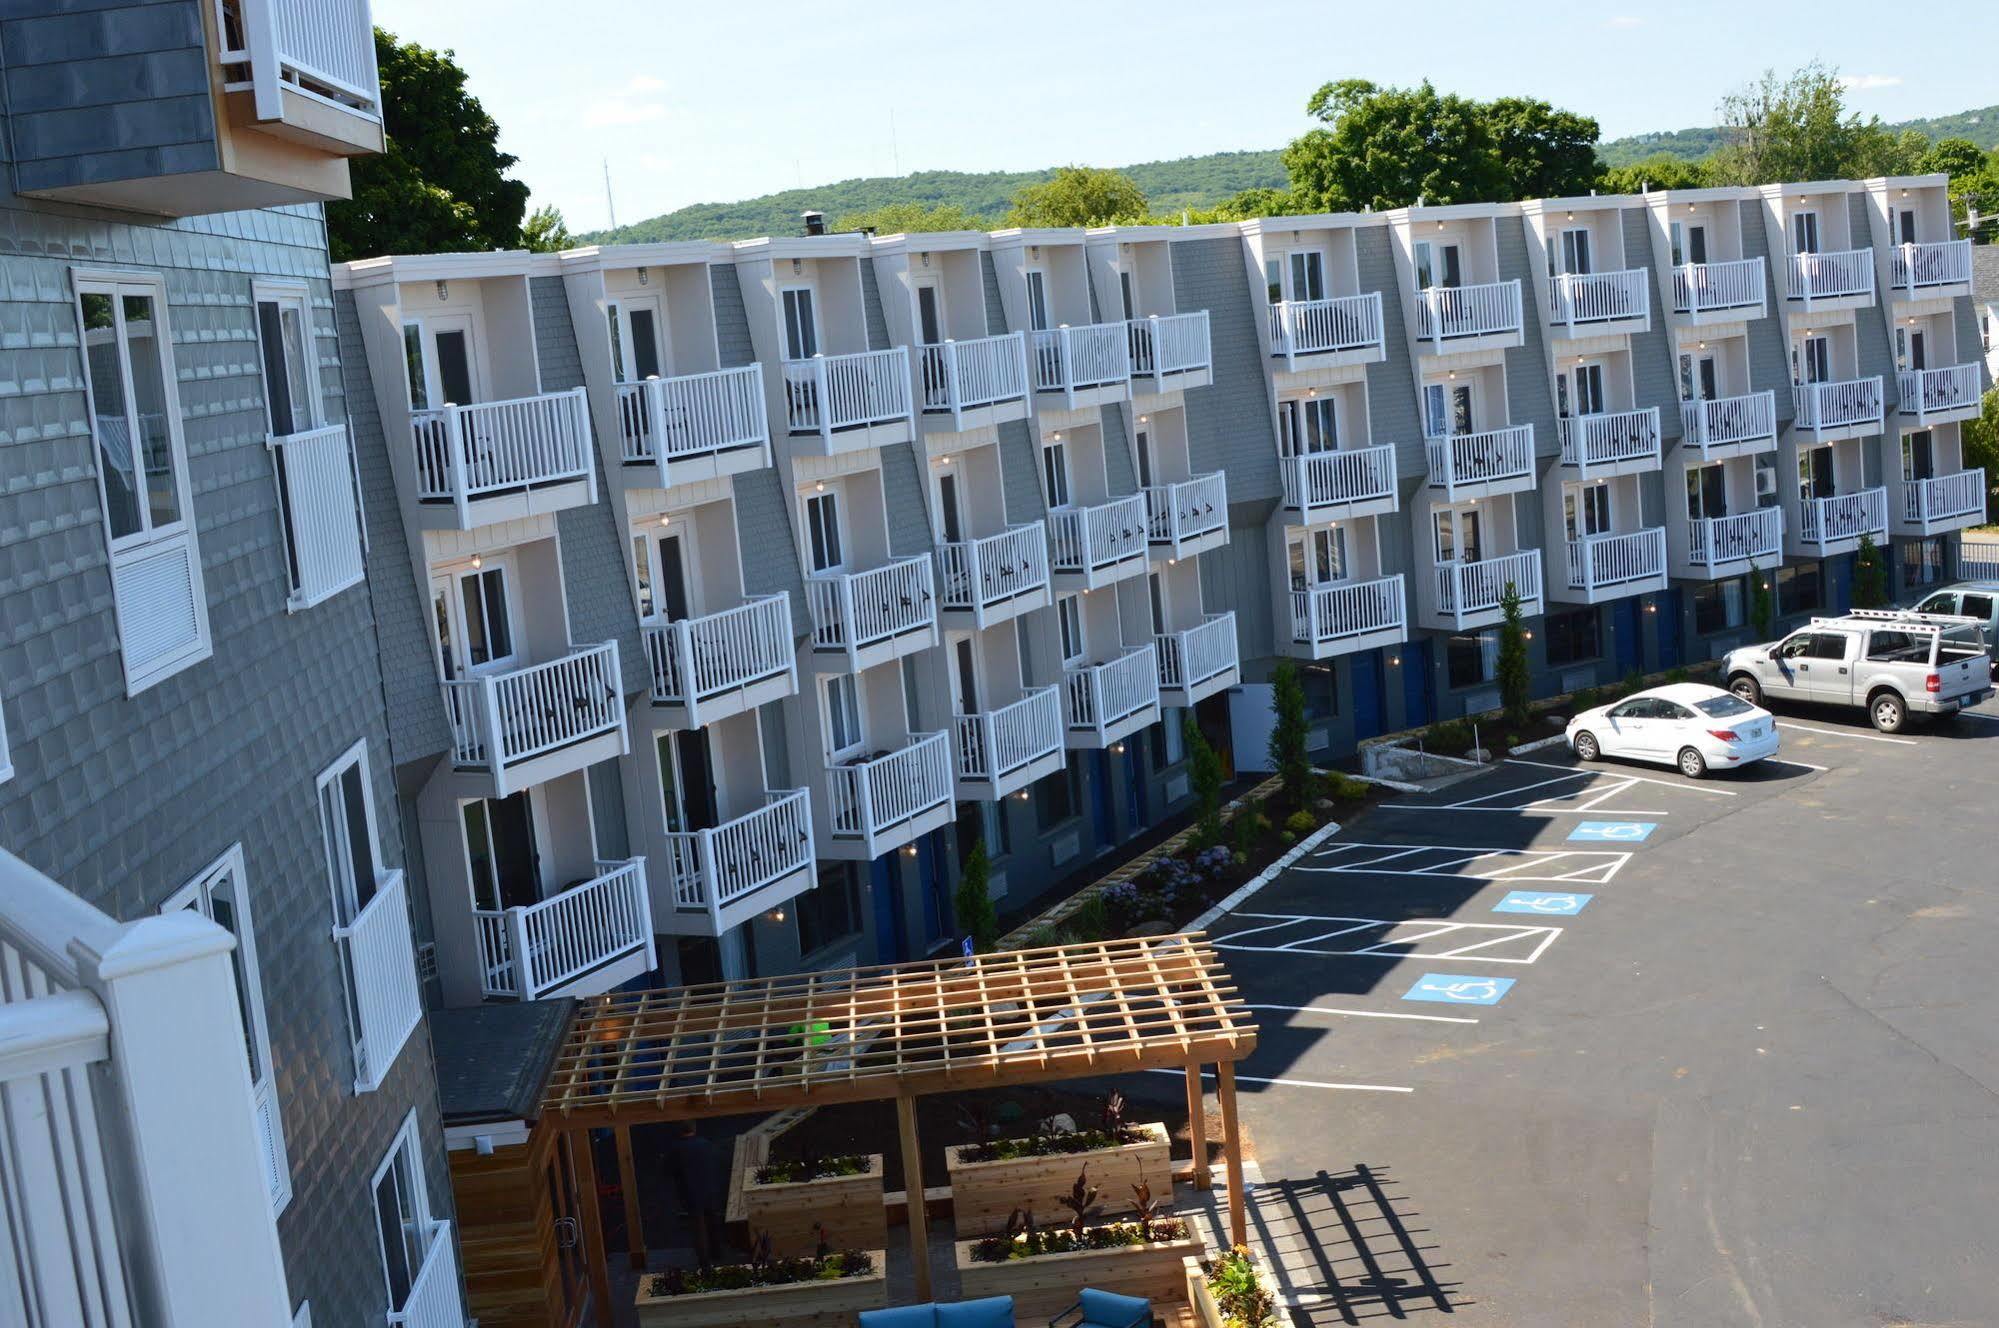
(711,103)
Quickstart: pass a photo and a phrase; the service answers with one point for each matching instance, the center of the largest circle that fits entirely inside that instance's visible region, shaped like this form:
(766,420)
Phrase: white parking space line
(1462,862)
(1636,779)
(1368,1014)
(1807,765)
(1298,1083)
(1838,733)
(1406,938)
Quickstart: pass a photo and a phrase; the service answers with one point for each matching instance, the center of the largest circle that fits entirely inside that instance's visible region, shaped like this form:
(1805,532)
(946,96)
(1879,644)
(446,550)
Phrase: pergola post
(1197,1128)
(912,1187)
(634,1222)
(584,1160)
(1232,1151)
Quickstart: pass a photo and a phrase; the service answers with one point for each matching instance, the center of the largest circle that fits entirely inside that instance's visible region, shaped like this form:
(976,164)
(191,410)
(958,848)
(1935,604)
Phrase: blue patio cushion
(901,1316)
(989,1312)
(1108,1309)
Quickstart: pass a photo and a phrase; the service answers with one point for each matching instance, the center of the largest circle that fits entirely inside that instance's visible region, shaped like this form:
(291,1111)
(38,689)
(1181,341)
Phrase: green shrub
(1633,682)
(1512,672)
(1246,829)
(1206,772)
(1343,788)
(1677,675)
(1091,921)
(1586,698)
(1288,733)
(974,901)
(1452,737)
(1286,838)
(1299,824)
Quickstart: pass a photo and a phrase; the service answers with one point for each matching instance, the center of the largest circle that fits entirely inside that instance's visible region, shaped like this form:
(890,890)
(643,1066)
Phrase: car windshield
(1721,707)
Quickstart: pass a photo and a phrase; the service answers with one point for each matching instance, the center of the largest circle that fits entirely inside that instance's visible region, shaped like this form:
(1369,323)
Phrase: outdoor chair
(988,1312)
(1105,1309)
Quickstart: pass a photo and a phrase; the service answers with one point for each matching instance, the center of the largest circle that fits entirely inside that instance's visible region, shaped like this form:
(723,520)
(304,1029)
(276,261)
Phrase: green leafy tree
(441,185)
(1870,576)
(910,219)
(1655,173)
(1288,734)
(1762,608)
(1546,153)
(545,232)
(1798,128)
(1205,771)
(1386,147)
(1078,196)
(974,901)
(1514,678)
(1954,157)
(1981,448)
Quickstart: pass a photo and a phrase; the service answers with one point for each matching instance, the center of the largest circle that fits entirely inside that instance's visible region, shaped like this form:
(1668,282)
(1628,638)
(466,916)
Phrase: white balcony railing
(1197,655)
(1071,359)
(1188,510)
(1852,403)
(957,376)
(1700,288)
(1599,562)
(499,720)
(1949,497)
(433,1300)
(1097,696)
(1330,479)
(322,47)
(1089,539)
(868,797)
(465,453)
(664,420)
(1490,457)
(829,393)
(1926,392)
(708,870)
(1163,346)
(1467,588)
(855,610)
(1846,272)
(1447,313)
(979,574)
(1756,537)
(1844,516)
(321,492)
(1729,421)
(698,659)
(1584,298)
(381,972)
(1343,610)
(993,744)
(1917,267)
(1315,327)
(530,951)
(1610,439)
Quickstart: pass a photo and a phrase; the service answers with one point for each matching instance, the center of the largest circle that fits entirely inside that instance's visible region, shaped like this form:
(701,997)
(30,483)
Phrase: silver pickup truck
(1893,663)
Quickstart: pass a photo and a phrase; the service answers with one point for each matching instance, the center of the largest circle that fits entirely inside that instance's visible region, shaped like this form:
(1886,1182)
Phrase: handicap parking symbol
(1458,989)
(1547,903)
(1612,832)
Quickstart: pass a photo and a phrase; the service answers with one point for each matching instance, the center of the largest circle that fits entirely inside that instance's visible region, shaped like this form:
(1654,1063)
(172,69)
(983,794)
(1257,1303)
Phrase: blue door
(1417,685)
(1370,694)
(1100,798)
(1842,581)
(930,875)
(891,942)
(1624,626)
(1134,793)
(1668,623)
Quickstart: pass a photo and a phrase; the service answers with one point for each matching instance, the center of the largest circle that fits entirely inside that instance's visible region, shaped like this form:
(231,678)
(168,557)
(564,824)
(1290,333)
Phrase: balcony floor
(866,848)
(1096,739)
(1200,691)
(497,506)
(1354,644)
(715,465)
(942,433)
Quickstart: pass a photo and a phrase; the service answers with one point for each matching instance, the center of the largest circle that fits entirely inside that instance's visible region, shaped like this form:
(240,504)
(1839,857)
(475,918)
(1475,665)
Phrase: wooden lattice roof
(868,1034)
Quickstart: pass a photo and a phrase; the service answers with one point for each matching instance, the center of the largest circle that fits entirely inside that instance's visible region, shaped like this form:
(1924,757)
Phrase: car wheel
(1888,712)
(1746,687)
(1692,764)
(1586,747)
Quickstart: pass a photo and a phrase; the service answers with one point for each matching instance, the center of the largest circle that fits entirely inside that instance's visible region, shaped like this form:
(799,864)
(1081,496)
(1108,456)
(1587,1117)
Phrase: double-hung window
(319,489)
(371,927)
(142,475)
(408,1238)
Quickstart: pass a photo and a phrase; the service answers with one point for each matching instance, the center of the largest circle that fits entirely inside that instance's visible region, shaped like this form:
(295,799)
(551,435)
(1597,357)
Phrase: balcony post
(454,443)
(655,395)
(489,720)
(1158,358)
(1026,374)
(951,385)
(519,959)
(844,592)
(260,40)
(711,883)
(680,648)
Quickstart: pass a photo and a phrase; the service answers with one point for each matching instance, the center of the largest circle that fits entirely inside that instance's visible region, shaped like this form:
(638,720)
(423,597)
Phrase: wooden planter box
(849,1207)
(984,1193)
(1206,1312)
(797,1305)
(1045,1285)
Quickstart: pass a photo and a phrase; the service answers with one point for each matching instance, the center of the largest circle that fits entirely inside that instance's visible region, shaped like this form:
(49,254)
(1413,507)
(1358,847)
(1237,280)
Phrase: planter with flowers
(992,1178)
(767,1292)
(804,1203)
(1230,1291)
(1041,1267)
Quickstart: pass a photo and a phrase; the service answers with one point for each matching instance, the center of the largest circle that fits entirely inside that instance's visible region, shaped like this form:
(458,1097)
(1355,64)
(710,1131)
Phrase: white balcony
(1106,703)
(746,865)
(1834,525)
(529,725)
(1346,617)
(1171,353)
(1002,751)
(843,403)
(321,489)
(1619,443)
(1088,365)
(1720,292)
(1839,410)
(1468,314)
(1198,662)
(310,66)
(984,582)
(708,668)
(1593,304)
(1942,503)
(1094,546)
(1469,594)
(1730,426)
(503,460)
(1331,486)
(1938,396)
(1348,327)
(380,960)
(973,384)
(879,803)
(860,619)
(695,427)
(1840,280)
(1476,465)
(433,1300)
(1605,567)
(1187,518)
(1720,546)
(581,942)
(1925,271)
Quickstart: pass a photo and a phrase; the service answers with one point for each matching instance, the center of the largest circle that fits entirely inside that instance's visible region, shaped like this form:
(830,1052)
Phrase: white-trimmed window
(1308,424)
(405,1234)
(845,736)
(221,893)
(142,474)
(319,489)
(1055,471)
(1069,621)
(370,922)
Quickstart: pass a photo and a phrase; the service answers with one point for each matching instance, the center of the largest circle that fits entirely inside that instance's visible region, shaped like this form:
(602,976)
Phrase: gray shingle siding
(732,322)
(1769,362)
(1969,348)
(763,523)
(1119,471)
(871,308)
(908,514)
(1654,376)
(1391,383)
(1237,576)
(1529,396)
(995,310)
(1228,422)
(1020,468)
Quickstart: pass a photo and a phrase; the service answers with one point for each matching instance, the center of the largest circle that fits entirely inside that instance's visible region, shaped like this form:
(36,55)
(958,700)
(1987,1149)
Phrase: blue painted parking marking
(1546,903)
(1613,832)
(1458,989)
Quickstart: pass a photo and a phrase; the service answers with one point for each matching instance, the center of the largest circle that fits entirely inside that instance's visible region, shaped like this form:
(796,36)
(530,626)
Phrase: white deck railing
(1583,298)
(1196,655)
(1087,539)
(978,574)
(1829,276)
(957,376)
(321,490)
(853,610)
(1176,343)
(1492,456)
(875,795)
(1447,313)
(464,453)
(708,870)
(1945,497)
(1920,266)
(532,950)
(502,719)
(323,47)
(992,744)
(1325,479)
(433,1296)
(1844,516)
(1745,536)
(1097,696)
(1176,513)
(1926,392)
(663,420)
(1600,561)
(1604,440)
(1464,588)
(1315,327)
(697,659)
(1728,421)
(381,968)
(1846,404)
(1345,609)
(1069,359)
(829,393)
(1700,288)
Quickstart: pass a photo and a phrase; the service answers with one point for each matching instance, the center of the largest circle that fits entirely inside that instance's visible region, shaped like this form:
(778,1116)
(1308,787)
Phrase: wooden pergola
(902,1031)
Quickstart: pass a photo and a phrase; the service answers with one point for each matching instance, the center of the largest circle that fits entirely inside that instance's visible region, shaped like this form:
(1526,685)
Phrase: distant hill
(1980,126)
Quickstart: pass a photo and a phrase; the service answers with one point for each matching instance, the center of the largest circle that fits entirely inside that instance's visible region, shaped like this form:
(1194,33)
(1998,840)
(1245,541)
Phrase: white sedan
(1690,725)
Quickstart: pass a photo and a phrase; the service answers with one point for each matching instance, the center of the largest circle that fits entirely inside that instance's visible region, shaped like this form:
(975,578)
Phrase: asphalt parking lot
(1566,1045)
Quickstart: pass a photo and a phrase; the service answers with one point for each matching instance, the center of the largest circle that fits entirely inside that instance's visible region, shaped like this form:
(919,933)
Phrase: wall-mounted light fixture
(443,292)
(477,562)
(796,267)
(645,275)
